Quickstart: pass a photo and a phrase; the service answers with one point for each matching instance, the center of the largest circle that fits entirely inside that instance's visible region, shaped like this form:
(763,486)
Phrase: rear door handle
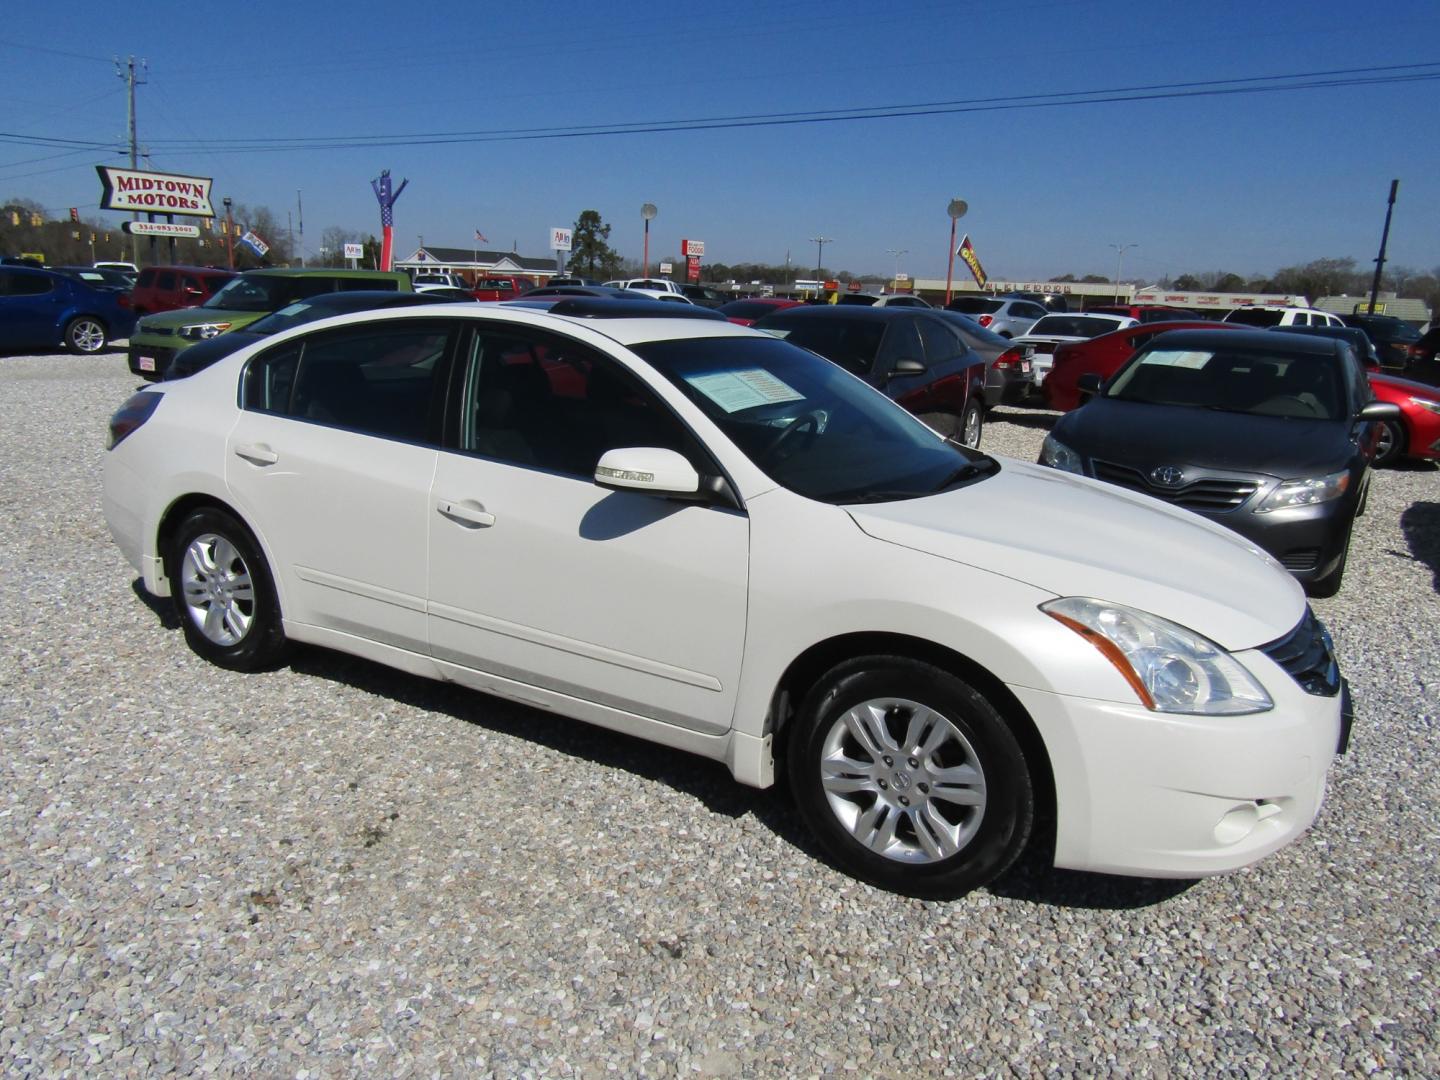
(256,454)
(466,513)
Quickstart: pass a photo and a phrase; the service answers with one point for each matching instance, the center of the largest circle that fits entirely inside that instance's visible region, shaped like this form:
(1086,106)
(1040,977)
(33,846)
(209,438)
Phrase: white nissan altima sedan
(697,534)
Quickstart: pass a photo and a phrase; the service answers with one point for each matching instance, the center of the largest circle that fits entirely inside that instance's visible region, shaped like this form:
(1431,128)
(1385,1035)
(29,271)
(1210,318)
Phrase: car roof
(317,271)
(855,312)
(187,268)
(1249,339)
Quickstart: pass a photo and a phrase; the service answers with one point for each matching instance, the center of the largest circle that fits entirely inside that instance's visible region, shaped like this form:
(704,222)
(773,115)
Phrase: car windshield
(252,294)
(302,311)
(808,425)
(1072,326)
(1262,382)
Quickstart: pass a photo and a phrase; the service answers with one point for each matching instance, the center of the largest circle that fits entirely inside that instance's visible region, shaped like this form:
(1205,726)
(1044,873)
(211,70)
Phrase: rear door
(332,460)
(31,306)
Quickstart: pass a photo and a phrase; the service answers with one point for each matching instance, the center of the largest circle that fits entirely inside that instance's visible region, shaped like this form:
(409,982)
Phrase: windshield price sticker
(737,390)
(1178,358)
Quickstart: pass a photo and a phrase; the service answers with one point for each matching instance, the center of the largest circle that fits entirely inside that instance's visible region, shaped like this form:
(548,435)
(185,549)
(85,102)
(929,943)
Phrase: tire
(1327,586)
(1391,444)
(889,824)
(972,423)
(86,335)
(223,592)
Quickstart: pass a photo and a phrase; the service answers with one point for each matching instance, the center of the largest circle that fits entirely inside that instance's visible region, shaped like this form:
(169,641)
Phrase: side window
(901,342)
(165,279)
(543,401)
(355,285)
(146,279)
(378,379)
(940,344)
(1301,319)
(29,285)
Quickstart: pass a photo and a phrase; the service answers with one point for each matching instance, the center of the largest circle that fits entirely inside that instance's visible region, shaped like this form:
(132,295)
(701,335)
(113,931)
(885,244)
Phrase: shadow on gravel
(1041,421)
(163,609)
(1031,879)
(1421,524)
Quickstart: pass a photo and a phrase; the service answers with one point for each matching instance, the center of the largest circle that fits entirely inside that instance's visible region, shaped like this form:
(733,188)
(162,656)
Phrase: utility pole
(820,242)
(300,216)
(127,73)
(897,252)
(1384,242)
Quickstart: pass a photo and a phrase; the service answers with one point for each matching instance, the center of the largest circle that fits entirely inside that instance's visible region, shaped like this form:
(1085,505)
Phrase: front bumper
(149,361)
(1158,795)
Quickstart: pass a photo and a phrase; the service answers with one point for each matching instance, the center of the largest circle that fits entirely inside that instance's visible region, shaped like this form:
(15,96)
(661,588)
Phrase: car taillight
(1010,358)
(123,299)
(136,410)
(985,320)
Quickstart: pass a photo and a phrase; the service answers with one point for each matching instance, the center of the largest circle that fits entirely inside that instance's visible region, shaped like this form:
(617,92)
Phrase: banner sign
(666,267)
(692,268)
(154,193)
(159,228)
(255,244)
(561,239)
(354,251)
(966,251)
(692,248)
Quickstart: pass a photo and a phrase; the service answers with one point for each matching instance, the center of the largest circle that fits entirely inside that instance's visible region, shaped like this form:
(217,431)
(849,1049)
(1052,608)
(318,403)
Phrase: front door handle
(256,454)
(468,513)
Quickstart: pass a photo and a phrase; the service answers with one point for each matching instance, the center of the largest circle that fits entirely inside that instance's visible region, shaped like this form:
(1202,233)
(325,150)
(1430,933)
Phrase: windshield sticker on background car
(1178,358)
(737,390)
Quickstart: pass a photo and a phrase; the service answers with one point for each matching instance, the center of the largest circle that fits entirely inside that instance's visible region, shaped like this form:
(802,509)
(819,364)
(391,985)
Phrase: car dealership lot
(338,868)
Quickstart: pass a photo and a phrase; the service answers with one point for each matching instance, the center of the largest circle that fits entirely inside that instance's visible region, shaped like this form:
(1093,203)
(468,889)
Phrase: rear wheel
(85,335)
(224,594)
(1391,443)
(971,423)
(909,778)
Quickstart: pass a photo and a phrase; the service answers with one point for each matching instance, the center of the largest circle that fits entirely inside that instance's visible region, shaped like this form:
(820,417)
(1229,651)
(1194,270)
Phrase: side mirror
(1089,383)
(903,368)
(650,470)
(1379,410)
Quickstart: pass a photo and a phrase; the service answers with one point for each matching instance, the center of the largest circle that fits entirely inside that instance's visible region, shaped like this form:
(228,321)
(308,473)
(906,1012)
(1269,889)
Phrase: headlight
(203,331)
(1059,456)
(1172,669)
(1426,404)
(1306,492)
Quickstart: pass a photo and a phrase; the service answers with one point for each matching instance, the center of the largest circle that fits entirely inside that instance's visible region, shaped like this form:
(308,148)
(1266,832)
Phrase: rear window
(1255,317)
(851,343)
(1071,326)
(974,305)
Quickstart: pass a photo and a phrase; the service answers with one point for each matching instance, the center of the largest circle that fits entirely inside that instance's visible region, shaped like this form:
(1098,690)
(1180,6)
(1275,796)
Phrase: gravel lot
(336,870)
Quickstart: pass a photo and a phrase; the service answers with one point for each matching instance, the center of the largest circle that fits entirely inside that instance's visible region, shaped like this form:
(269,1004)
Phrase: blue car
(40,309)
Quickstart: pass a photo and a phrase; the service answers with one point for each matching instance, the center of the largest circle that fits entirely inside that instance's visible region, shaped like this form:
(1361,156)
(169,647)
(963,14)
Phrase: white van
(1259,315)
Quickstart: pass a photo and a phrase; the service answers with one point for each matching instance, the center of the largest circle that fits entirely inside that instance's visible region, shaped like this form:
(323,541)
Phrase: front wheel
(1391,443)
(224,594)
(909,778)
(85,335)
(1327,586)
(971,423)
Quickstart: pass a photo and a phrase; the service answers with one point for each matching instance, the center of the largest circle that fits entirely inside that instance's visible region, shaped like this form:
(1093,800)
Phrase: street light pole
(648,212)
(1120,250)
(229,234)
(897,252)
(956,209)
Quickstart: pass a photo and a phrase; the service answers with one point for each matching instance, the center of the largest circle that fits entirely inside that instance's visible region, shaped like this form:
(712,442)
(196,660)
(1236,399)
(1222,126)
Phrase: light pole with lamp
(229,233)
(897,252)
(1120,250)
(956,210)
(648,212)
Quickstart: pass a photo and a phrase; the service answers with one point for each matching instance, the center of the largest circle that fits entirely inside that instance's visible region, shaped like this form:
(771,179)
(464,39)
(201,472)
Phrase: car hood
(1143,436)
(173,320)
(1404,386)
(1076,537)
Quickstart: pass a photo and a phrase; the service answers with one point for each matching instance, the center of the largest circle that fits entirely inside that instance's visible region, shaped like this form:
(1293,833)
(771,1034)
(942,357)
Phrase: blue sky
(1242,182)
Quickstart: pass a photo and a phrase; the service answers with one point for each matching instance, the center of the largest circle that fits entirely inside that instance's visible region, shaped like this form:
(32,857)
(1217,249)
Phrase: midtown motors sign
(155,193)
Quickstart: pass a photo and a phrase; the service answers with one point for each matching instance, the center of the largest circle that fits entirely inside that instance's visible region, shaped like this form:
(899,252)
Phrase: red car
(1417,433)
(1101,356)
(745,312)
(502,287)
(168,288)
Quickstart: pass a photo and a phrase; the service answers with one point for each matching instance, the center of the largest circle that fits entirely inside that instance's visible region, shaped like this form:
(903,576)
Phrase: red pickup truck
(501,288)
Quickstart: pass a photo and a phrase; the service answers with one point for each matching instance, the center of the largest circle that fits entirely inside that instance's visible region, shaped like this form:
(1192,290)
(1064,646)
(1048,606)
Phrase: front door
(539,576)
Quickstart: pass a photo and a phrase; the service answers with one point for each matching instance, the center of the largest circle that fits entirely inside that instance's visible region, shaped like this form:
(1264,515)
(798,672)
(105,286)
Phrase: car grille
(1308,655)
(1211,494)
(159,331)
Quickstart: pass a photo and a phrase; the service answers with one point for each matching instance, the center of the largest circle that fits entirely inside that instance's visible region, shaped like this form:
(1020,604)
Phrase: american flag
(480,237)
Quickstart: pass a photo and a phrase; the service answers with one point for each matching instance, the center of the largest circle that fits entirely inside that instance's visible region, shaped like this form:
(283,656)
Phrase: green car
(252,295)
